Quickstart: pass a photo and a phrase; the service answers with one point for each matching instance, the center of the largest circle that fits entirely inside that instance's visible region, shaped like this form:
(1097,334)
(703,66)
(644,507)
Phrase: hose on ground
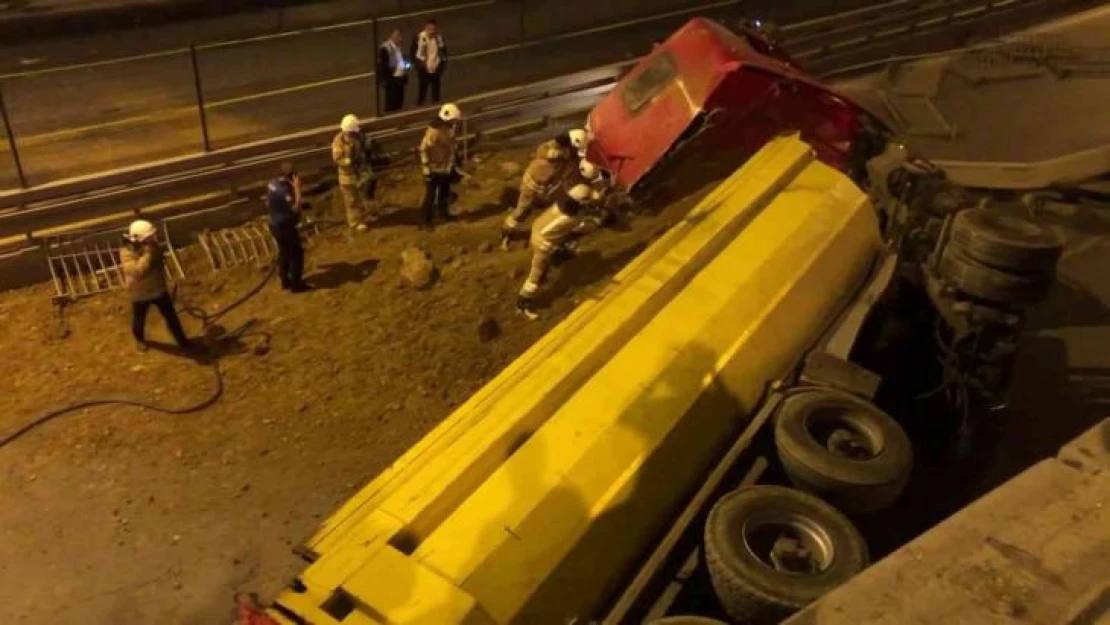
(206,319)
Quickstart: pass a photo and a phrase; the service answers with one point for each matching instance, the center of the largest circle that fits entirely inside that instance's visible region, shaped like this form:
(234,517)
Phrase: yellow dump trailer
(534,501)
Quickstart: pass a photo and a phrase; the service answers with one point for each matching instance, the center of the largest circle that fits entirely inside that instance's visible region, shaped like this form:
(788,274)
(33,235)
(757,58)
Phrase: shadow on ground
(335,275)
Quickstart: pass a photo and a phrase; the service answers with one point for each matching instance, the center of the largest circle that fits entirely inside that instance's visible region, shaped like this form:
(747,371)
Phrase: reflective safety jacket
(349,156)
(556,226)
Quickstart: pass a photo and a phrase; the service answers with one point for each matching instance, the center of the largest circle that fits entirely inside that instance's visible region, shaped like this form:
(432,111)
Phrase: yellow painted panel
(400,590)
(609,468)
(624,406)
(433,477)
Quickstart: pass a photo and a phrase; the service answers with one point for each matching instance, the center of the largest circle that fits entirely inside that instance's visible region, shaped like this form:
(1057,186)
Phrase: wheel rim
(789,543)
(842,431)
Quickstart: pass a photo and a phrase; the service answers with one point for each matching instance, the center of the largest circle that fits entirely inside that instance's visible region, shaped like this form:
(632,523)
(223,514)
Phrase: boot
(526,307)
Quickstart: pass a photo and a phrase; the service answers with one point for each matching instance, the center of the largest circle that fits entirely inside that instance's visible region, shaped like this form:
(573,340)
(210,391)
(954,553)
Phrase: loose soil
(120,515)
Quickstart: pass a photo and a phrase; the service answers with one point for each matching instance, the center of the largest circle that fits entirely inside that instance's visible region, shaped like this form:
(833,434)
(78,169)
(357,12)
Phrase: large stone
(417,267)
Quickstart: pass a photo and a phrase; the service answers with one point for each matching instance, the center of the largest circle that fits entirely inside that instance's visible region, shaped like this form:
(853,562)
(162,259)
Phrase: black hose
(206,319)
(92,403)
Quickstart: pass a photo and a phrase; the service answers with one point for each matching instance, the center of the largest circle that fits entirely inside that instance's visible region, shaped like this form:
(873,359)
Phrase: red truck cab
(711,87)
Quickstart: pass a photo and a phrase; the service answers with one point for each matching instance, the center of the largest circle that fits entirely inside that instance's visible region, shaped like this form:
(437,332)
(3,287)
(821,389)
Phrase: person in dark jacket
(392,73)
(430,55)
(145,278)
(283,199)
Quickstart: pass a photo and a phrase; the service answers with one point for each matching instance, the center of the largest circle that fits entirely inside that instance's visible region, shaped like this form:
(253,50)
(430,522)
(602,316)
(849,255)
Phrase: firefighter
(554,236)
(595,177)
(437,162)
(349,154)
(144,275)
(578,139)
(548,170)
(283,199)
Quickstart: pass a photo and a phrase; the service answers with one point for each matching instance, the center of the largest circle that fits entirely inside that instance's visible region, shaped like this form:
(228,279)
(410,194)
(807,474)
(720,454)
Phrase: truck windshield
(659,72)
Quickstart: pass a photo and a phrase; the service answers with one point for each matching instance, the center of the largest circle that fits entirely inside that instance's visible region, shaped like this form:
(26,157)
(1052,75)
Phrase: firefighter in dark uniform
(283,199)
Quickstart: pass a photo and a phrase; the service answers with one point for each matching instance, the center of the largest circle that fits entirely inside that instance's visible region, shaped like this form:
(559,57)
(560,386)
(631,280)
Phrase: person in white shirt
(392,73)
(430,55)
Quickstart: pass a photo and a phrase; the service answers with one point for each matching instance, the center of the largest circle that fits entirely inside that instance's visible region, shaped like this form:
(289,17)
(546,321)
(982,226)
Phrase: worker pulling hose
(206,319)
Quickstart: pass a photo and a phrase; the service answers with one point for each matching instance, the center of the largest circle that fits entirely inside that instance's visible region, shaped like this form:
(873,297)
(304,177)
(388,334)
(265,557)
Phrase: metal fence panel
(258,89)
(80,121)
(543,18)
(10,175)
(467,29)
(408,6)
(536,61)
(315,14)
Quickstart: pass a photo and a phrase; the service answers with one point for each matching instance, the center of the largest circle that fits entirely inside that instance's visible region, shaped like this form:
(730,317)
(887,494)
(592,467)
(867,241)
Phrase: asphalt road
(103,117)
(80,121)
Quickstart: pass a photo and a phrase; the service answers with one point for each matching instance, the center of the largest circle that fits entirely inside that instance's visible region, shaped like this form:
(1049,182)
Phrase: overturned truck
(817,299)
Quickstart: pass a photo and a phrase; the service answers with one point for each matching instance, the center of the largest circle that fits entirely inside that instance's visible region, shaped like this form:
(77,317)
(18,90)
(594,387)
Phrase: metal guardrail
(831,44)
(126,111)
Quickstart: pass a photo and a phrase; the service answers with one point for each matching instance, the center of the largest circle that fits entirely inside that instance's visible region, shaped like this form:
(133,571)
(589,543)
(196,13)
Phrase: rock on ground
(417,267)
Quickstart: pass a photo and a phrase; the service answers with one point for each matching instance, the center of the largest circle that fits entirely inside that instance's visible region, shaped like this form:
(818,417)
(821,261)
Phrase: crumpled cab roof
(650,109)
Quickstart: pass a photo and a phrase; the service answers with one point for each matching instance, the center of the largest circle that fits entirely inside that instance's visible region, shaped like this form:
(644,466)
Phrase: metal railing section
(823,46)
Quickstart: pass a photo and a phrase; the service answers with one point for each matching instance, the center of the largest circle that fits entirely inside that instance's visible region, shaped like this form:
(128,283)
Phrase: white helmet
(588,170)
(140,230)
(349,123)
(578,139)
(580,193)
(449,112)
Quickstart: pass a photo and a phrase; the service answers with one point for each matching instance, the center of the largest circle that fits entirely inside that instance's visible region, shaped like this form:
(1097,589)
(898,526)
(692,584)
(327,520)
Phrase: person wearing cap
(554,234)
(283,201)
(144,275)
(437,162)
(550,166)
(348,152)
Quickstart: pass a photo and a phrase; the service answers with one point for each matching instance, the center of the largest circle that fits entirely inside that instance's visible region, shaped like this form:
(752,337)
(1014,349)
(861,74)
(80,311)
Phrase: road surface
(71,122)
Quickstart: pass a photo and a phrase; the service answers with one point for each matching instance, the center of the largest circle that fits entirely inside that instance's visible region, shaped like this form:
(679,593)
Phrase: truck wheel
(843,449)
(1005,242)
(687,620)
(988,283)
(773,550)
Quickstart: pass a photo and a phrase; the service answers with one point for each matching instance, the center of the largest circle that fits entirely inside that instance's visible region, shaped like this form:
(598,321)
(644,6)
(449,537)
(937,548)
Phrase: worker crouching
(550,167)
(555,234)
(437,162)
(143,267)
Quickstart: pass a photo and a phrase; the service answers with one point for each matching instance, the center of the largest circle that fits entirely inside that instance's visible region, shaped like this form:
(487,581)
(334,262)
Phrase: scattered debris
(417,267)
(485,247)
(509,168)
(488,330)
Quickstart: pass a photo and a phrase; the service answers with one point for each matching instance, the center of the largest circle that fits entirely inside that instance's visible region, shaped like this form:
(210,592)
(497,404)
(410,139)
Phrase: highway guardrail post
(200,98)
(523,7)
(377,91)
(11,142)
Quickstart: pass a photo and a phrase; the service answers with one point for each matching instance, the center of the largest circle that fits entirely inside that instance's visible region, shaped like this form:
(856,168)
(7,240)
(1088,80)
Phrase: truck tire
(843,449)
(988,283)
(687,620)
(773,550)
(1005,242)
